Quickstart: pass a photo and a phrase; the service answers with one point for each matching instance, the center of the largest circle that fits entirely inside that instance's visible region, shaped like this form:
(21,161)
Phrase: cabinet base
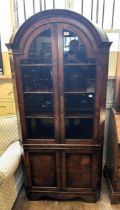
(90,197)
(113,195)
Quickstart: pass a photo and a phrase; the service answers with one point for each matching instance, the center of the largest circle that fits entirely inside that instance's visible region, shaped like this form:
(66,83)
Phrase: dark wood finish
(112,168)
(78,167)
(44,169)
(62,120)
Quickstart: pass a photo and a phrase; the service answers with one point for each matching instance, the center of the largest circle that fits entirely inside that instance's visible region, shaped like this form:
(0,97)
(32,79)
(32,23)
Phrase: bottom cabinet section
(63,173)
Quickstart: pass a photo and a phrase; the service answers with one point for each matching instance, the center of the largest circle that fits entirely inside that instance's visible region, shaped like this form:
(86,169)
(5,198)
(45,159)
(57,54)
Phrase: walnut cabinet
(60,90)
(112,167)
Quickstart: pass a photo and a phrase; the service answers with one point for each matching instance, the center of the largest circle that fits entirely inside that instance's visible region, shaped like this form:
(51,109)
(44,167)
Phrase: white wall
(6,20)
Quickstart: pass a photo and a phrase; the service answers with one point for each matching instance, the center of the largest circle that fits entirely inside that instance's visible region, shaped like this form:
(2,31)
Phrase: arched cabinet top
(59,16)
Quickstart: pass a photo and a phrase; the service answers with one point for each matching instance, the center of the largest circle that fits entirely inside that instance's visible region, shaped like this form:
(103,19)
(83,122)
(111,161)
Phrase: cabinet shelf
(65,64)
(79,116)
(35,64)
(39,116)
(66,116)
(38,92)
(92,90)
(79,64)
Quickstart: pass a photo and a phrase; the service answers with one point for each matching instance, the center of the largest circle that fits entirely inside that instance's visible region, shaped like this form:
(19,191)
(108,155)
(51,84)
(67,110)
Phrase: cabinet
(112,167)
(59,67)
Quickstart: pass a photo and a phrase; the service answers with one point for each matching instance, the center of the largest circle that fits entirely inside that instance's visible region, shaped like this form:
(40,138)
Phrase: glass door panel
(40,50)
(74,50)
(79,128)
(40,128)
(77,104)
(79,88)
(39,104)
(38,78)
(79,77)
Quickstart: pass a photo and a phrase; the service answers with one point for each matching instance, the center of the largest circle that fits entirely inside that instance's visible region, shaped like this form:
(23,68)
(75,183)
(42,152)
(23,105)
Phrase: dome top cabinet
(59,64)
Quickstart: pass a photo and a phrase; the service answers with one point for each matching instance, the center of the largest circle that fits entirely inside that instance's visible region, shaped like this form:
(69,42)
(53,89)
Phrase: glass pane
(79,104)
(40,49)
(77,128)
(37,83)
(37,78)
(40,128)
(79,88)
(79,78)
(39,104)
(74,49)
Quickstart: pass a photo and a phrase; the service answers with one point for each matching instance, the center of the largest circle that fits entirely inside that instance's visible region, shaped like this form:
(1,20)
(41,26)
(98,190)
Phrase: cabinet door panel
(44,169)
(79,170)
(77,87)
(39,79)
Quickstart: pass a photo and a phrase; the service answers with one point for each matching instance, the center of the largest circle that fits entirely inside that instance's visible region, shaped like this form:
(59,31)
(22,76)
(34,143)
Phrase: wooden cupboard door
(42,169)
(79,170)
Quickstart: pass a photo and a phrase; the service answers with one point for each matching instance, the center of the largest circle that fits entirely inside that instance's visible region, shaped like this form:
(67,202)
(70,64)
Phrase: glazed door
(77,84)
(40,90)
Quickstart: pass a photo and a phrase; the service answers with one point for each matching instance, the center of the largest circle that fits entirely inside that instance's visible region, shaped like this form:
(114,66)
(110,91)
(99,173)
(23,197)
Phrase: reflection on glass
(79,128)
(37,78)
(74,50)
(40,49)
(39,104)
(40,128)
(79,70)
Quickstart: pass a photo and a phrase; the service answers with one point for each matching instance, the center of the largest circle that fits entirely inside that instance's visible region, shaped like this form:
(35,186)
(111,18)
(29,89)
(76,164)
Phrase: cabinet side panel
(112,150)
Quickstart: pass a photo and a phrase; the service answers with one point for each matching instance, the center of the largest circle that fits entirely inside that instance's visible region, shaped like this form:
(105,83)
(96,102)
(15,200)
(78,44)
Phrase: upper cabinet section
(60,61)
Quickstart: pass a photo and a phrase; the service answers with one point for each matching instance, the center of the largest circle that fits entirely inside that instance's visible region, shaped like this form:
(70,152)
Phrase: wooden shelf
(37,92)
(39,116)
(79,91)
(79,64)
(36,64)
(79,115)
(65,64)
